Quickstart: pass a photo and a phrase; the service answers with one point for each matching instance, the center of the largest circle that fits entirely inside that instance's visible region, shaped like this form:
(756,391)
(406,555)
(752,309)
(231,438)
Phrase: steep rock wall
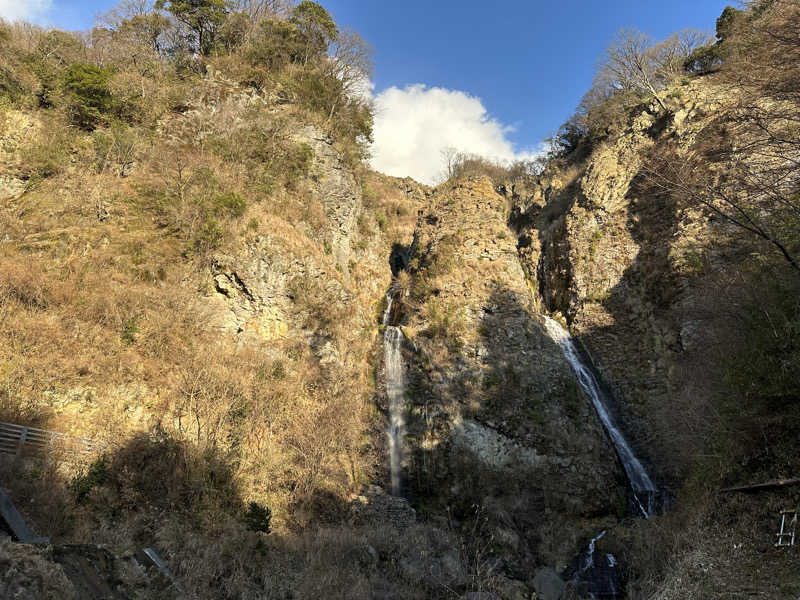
(618,258)
(496,418)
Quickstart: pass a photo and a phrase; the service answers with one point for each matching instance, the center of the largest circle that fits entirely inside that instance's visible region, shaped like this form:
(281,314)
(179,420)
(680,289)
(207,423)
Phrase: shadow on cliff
(511,397)
(634,340)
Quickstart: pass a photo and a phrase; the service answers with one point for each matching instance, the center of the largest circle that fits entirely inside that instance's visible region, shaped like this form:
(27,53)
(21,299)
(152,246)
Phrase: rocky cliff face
(16,126)
(497,420)
(620,260)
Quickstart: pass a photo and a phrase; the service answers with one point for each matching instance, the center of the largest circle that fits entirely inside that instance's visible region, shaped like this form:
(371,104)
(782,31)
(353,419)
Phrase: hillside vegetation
(192,256)
(663,226)
(193,265)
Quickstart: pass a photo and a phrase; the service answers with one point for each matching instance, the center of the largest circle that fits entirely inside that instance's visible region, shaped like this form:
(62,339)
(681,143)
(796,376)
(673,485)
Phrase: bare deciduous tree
(351,62)
(126,9)
(745,166)
(669,55)
(629,64)
(450,158)
(262,9)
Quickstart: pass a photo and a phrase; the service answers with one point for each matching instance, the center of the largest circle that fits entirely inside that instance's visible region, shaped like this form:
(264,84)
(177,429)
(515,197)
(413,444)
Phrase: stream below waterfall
(601,578)
(394,373)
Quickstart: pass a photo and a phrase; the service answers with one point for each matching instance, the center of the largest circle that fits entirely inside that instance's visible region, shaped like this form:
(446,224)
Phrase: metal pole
(22,439)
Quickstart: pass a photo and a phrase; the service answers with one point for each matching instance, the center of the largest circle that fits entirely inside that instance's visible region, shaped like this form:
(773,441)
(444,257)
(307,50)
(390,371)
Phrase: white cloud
(414,125)
(25,10)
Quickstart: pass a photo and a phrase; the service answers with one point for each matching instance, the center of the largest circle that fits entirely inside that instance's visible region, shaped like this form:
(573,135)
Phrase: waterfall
(588,559)
(395,390)
(600,576)
(641,485)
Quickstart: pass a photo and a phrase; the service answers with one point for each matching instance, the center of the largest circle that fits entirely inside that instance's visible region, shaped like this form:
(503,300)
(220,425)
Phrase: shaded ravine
(394,374)
(643,490)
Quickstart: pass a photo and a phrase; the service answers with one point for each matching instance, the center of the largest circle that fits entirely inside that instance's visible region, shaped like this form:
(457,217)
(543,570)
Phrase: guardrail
(21,439)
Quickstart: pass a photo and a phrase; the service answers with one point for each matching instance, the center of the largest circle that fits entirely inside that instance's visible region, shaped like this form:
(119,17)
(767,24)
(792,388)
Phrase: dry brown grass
(27,574)
(104,279)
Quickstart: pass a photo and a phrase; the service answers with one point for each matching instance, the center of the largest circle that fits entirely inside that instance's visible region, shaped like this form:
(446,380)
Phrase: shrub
(705,59)
(258,517)
(83,483)
(208,237)
(275,44)
(230,204)
(116,148)
(48,153)
(233,32)
(89,95)
(156,471)
(130,327)
(25,283)
(295,163)
(268,156)
(12,91)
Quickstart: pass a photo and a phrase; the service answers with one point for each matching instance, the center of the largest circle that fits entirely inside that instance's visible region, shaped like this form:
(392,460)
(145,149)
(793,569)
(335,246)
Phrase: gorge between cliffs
(240,363)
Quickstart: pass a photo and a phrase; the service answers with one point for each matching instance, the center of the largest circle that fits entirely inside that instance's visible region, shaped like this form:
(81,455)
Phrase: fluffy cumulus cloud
(414,125)
(25,10)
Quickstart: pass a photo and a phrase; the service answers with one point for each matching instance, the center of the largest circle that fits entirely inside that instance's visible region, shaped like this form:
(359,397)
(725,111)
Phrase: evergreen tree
(202,17)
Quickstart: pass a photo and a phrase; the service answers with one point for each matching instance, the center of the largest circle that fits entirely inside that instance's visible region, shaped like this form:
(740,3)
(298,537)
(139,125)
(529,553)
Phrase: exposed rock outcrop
(618,258)
(496,417)
(335,186)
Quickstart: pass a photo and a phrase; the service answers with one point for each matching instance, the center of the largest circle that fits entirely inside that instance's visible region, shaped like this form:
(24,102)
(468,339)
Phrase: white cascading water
(588,559)
(641,485)
(395,389)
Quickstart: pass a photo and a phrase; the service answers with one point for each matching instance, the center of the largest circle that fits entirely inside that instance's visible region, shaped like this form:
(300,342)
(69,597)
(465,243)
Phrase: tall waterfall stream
(602,577)
(395,389)
(644,491)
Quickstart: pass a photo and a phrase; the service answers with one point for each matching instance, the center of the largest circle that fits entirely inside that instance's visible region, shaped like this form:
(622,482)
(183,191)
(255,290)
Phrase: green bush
(208,237)
(705,58)
(12,92)
(48,154)
(230,204)
(203,17)
(317,27)
(89,97)
(116,148)
(96,475)
(130,327)
(295,163)
(258,517)
(268,156)
(275,44)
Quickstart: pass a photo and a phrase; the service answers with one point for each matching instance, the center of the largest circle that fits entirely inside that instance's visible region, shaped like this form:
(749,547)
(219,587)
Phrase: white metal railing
(21,439)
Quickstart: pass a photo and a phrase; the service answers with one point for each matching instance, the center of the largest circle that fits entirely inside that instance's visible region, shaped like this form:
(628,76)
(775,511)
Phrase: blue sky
(530,61)
(518,68)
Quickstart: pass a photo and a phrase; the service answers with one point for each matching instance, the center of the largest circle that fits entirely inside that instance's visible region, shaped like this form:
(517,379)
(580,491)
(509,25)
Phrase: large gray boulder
(548,584)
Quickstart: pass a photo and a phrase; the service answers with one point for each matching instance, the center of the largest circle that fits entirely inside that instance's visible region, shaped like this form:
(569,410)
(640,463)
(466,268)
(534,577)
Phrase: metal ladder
(788,528)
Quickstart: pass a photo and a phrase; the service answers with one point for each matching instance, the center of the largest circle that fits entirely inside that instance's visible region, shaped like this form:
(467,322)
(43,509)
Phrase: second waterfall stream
(395,390)
(644,492)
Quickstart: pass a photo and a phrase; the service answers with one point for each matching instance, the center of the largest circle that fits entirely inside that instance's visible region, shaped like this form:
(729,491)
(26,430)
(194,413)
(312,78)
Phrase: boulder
(548,584)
